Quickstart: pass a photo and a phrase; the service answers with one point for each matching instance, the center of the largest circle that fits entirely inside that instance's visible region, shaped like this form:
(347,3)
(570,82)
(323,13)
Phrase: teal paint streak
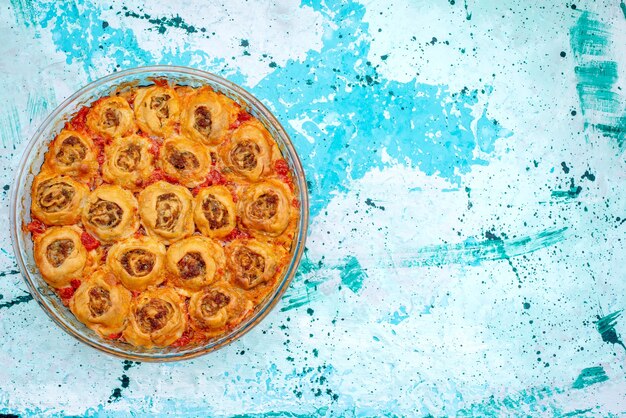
(623,7)
(473,252)
(573,192)
(23,10)
(399,316)
(10,127)
(590,376)
(577,412)
(528,400)
(606,328)
(352,275)
(589,36)
(602,103)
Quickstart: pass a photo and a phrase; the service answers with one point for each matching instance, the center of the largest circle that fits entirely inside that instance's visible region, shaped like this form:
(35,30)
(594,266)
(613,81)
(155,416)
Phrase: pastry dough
(60,255)
(156,110)
(195,262)
(250,263)
(138,262)
(165,211)
(265,208)
(216,307)
(111,117)
(128,162)
(206,116)
(101,303)
(214,211)
(187,161)
(110,213)
(72,154)
(157,318)
(57,200)
(248,153)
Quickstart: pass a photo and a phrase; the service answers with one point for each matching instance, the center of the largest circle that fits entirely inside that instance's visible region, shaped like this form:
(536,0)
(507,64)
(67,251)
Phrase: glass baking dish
(31,162)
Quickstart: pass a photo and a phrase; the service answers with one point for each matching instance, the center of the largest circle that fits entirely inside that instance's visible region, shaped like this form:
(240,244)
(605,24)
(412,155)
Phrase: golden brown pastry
(111,117)
(187,161)
(206,116)
(195,262)
(250,262)
(214,211)
(72,154)
(248,153)
(138,262)
(165,211)
(128,162)
(110,213)
(157,110)
(60,255)
(57,200)
(157,318)
(265,208)
(102,303)
(216,307)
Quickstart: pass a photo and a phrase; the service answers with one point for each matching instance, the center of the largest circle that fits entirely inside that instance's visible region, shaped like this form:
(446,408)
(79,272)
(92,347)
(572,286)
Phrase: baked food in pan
(164,215)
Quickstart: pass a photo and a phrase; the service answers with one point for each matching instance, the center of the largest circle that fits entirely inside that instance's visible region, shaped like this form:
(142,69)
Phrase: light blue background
(467,173)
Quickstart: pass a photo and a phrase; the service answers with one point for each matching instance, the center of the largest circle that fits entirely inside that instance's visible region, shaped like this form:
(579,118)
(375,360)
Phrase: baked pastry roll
(248,154)
(157,318)
(110,213)
(138,262)
(165,211)
(216,307)
(214,211)
(187,161)
(60,255)
(111,117)
(72,154)
(101,303)
(206,116)
(195,262)
(250,263)
(265,208)
(157,110)
(57,200)
(128,161)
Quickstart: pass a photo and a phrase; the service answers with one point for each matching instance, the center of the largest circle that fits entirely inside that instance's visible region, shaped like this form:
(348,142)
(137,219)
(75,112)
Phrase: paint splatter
(473,252)
(162,24)
(352,275)
(16,301)
(606,328)
(124,382)
(590,376)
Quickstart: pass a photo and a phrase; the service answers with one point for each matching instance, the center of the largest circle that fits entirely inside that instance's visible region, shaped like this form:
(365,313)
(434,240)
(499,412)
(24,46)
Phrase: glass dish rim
(271,301)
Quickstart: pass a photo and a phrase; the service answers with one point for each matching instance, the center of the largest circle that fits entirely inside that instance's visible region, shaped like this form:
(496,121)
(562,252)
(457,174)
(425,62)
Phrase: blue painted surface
(466,171)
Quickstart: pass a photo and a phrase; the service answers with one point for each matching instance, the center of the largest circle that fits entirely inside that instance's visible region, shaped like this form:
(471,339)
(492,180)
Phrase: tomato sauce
(89,241)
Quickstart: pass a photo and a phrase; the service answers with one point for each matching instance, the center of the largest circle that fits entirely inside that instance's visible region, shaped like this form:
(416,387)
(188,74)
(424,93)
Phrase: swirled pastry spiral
(206,116)
(60,255)
(250,263)
(187,161)
(72,154)
(111,117)
(157,318)
(195,262)
(217,306)
(156,110)
(138,262)
(110,213)
(165,211)
(248,153)
(101,303)
(128,162)
(265,208)
(57,200)
(214,211)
